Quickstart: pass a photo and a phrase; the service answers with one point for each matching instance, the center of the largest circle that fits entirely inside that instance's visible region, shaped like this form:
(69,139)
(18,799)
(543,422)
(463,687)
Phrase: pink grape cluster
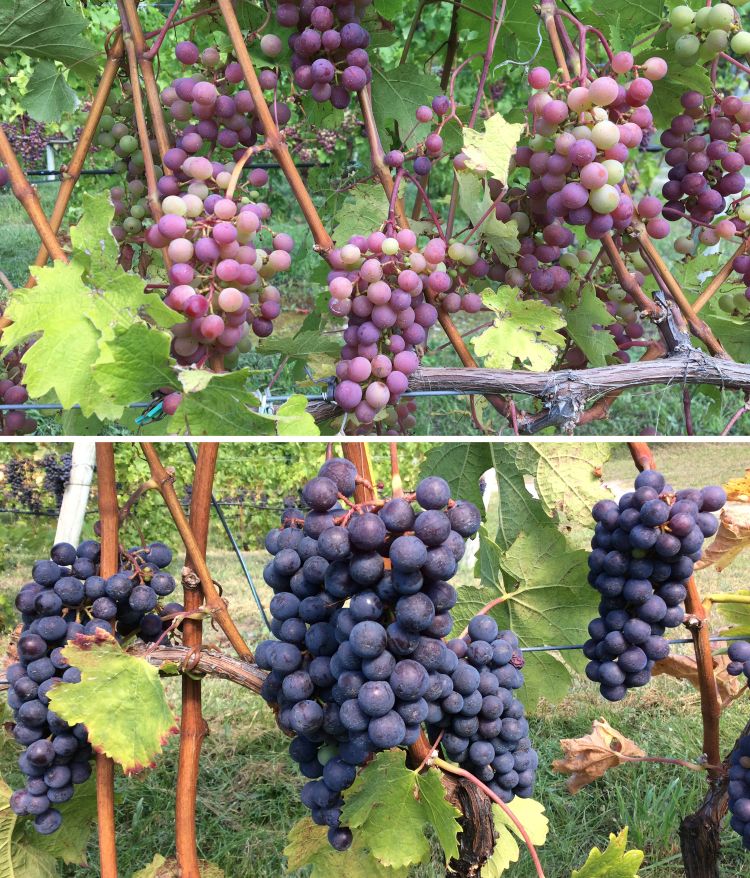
(4,176)
(738,304)
(581,138)
(213,107)
(386,287)
(431,148)
(220,275)
(14,422)
(329,48)
(707,151)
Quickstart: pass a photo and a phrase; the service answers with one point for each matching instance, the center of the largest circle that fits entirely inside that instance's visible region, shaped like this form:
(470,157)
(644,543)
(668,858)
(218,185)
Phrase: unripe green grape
(232,359)
(741,304)
(615,170)
(128,144)
(106,123)
(717,41)
(470,255)
(132,225)
(325,754)
(743,211)
(174,204)
(740,43)
(637,261)
(604,200)
(522,221)
(138,211)
(350,254)
(585,256)
(126,109)
(137,159)
(681,17)
(120,167)
(456,251)
(244,345)
(605,134)
(687,47)
(538,143)
(684,245)
(721,16)
(616,294)
(582,132)
(726,303)
(701,18)
(106,140)
(569,261)
(390,246)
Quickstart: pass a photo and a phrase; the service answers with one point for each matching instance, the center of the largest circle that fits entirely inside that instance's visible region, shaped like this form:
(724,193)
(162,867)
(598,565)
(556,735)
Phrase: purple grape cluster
(15,422)
(4,176)
(329,48)
(66,599)
(213,109)
(219,277)
(643,551)
(361,605)
(484,726)
(739,767)
(706,153)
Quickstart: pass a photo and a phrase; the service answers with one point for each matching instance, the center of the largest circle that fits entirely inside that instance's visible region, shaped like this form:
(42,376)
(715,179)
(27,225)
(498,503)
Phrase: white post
(76,496)
(50,151)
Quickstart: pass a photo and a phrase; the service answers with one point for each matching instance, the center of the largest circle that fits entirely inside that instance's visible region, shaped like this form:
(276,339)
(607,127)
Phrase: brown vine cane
(193,727)
(109,519)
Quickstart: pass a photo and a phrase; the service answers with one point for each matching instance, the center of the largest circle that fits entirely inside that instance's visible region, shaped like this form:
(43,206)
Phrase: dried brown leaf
(732,537)
(588,758)
(683,667)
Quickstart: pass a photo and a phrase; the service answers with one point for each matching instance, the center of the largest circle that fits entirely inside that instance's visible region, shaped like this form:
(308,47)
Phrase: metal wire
(581,645)
(233,543)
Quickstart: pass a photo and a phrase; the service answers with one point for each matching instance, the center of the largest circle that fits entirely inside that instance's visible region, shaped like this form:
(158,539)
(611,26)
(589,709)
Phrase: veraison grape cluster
(643,551)
(581,138)
(15,422)
(386,286)
(699,36)
(738,303)
(329,47)
(219,277)
(706,150)
(361,605)
(67,598)
(739,768)
(213,109)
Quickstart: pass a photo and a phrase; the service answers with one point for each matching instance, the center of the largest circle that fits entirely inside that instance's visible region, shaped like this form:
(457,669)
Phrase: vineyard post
(76,493)
(699,832)
(109,523)
(193,727)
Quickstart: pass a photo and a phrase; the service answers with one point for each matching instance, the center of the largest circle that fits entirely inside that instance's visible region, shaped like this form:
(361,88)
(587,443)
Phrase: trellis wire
(235,547)
(581,645)
(109,172)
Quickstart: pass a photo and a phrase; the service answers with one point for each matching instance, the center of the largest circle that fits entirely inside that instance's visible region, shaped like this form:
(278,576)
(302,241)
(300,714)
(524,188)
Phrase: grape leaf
(581,315)
(461,465)
(733,334)
(490,151)
(300,346)
(293,419)
(7,824)
(522,330)
(521,37)
(530,814)
(92,237)
(48,30)
(365,209)
(134,363)
(441,814)
(489,556)
(219,405)
(628,18)
(510,507)
(152,869)
(48,95)
(475,202)
(394,833)
(615,862)
(120,700)
(568,478)
(732,538)
(308,846)
(396,94)
(31,862)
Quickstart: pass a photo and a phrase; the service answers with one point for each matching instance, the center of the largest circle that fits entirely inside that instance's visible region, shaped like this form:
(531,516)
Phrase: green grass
(248,791)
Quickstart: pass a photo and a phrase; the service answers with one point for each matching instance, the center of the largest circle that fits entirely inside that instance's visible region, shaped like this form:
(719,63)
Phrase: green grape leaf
(7,824)
(461,465)
(614,862)
(664,103)
(530,814)
(733,334)
(490,151)
(92,236)
(475,201)
(49,30)
(488,584)
(301,346)
(580,316)
(489,558)
(395,834)
(441,815)
(568,479)
(308,846)
(396,94)
(521,37)
(120,700)
(48,96)
(79,818)
(510,507)
(219,405)
(366,208)
(293,419)
(134,363)
(738,614)
(522,330)
(625,19)
(32,862)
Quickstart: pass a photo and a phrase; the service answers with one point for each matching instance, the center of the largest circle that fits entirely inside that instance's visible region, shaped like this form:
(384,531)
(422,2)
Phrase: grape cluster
(387,288)
(739,768)
(643,551)
(219,277)
(484,726)
(29,140)
(65,599)
(361,605)
(4,176)
(329,47)
(57,469)
(706,152)
(581,138)
(212,108)
(699,36)
(15,422)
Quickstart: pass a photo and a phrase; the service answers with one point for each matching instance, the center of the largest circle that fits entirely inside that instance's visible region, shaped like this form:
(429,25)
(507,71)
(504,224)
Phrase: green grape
(106,140)
(605,199)
(743,211)
(681,17)
(726,302)
(741,43)
(569,261)
(716,41)
(106,123)
(138,211)
(128,144)
(684,245)
(741,304)
(687,47)
(137,159)
(616,294)
(701,18)
(132,225)
(585,256)
(721,16)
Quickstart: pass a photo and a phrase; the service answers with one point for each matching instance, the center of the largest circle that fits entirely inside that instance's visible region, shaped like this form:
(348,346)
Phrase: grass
(248,792)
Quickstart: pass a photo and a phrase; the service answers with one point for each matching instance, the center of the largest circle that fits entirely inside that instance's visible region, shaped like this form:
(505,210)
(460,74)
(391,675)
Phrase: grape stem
(485,609)
(735,417)
(725,57)
(151,53)
(462,772)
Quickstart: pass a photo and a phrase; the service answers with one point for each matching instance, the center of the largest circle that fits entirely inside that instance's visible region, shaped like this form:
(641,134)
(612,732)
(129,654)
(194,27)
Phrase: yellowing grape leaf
(732,537)
(308,846)
(530,814)
(388,806)
(522,330)
(162,867)
(490,151)
(475,202)
(589,757)
(739,489)
(615,862)
(120,700)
